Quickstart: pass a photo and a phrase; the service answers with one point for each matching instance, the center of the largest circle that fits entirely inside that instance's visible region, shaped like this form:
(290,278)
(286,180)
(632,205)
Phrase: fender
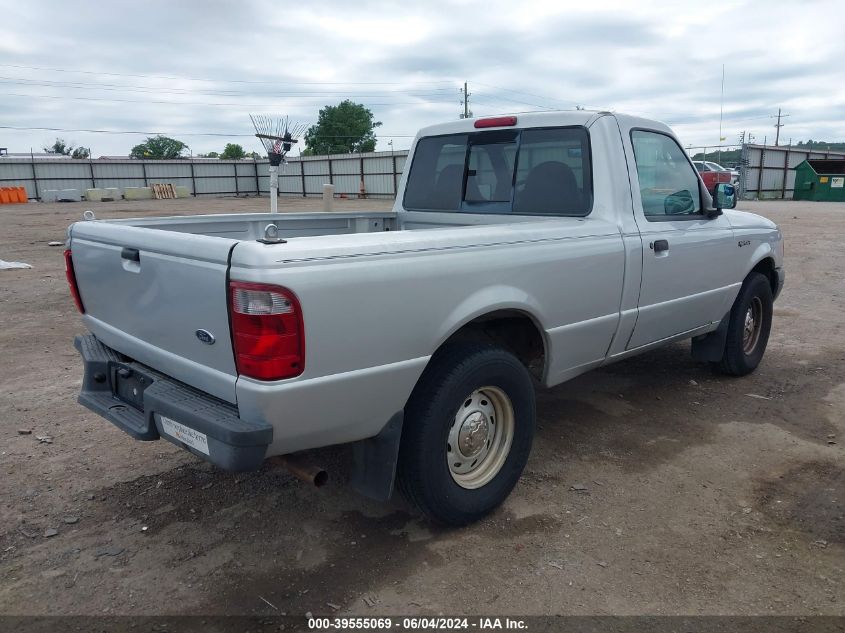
(761,251)
(490,300)
(375,459)
(711,346)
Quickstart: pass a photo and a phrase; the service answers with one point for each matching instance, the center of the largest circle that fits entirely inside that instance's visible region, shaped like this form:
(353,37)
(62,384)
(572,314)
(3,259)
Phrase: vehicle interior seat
(549,188)
(447,188)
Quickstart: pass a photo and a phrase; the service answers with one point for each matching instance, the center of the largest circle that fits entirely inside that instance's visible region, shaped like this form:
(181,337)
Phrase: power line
(227,134)
(196,103)
(529,94)
(489,98)
(81,85)
(239,81)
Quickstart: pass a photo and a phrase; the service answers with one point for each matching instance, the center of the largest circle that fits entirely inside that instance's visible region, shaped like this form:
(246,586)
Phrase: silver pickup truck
(520,249)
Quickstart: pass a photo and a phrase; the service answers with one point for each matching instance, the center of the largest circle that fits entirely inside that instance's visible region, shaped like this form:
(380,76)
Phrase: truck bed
(250,226)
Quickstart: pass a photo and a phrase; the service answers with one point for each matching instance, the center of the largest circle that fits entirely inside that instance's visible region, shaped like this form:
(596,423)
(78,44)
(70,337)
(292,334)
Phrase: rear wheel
(749,327)
(468,430)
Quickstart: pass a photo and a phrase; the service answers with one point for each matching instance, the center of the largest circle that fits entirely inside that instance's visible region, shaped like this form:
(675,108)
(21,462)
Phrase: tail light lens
(71,280)
(267,331)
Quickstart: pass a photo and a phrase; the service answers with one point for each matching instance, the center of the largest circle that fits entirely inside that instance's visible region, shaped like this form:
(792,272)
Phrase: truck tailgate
(147,292)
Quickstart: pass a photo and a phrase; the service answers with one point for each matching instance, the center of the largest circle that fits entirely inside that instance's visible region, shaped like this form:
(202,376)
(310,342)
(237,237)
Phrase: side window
(553,176)
(668,185)
(438,173)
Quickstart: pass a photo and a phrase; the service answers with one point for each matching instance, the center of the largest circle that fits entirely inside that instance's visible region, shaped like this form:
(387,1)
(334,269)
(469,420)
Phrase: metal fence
(769,171)
(766,172)
(374,174)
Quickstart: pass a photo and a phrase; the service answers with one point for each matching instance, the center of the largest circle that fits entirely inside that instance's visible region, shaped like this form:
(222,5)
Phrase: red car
(710,175)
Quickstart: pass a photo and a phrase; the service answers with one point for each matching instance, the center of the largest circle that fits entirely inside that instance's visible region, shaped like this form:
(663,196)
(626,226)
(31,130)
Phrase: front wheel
(748,328)
(468,430)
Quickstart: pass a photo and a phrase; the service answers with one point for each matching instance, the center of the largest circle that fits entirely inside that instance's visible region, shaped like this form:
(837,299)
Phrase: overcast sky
(191,68)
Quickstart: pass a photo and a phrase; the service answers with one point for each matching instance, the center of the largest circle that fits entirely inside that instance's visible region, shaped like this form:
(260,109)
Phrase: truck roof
(542,119)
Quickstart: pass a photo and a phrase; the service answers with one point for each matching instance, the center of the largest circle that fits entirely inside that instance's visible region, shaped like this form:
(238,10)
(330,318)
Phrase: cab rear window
(542,171)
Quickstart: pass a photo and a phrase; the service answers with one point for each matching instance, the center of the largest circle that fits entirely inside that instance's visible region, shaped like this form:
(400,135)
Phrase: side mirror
(725,197)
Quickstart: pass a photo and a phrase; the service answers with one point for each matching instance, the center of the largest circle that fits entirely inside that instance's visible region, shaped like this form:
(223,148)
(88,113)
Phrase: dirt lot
(704,494)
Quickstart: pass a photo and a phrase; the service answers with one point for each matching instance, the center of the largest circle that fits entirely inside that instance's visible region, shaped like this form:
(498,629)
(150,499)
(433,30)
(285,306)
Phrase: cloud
(188,67)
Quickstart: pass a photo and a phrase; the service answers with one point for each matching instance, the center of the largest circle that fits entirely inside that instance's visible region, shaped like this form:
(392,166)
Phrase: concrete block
(103,195)
(138,193)
(328,197)
(61,195)
(182,192)
(70,195)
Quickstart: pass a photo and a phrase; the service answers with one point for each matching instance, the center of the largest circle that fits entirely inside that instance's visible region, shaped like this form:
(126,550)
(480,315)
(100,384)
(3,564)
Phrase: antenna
(277,135)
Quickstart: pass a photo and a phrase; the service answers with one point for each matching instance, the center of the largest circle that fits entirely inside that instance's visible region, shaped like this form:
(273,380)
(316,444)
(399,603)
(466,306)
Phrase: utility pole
(778,126)
(467,113)
(721,111)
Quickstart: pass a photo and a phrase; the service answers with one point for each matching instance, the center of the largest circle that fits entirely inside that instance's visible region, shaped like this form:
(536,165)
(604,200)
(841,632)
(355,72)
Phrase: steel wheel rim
(480,437)
(752,325)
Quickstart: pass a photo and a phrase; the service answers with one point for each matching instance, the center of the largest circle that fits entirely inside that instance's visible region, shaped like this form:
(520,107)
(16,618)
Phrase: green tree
(728,157)
(159,148)
(59,147)
(823,145)
(81,153)
(233,151)
(345,128)
(209,155)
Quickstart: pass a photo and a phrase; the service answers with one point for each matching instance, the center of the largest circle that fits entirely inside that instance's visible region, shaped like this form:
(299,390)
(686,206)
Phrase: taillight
(267,331)
(71,280)
(496,121)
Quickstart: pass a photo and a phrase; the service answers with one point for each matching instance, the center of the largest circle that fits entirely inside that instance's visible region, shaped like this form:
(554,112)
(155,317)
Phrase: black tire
(737,359)
(424,471)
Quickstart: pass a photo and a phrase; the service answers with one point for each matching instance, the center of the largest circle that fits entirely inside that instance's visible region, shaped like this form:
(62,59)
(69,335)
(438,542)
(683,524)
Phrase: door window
(668,183)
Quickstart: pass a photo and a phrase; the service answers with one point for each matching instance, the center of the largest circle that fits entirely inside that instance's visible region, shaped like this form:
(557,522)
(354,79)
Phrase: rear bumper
(232,443)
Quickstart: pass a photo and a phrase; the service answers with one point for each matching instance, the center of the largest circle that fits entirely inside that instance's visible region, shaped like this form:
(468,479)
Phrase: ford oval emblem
(205,336)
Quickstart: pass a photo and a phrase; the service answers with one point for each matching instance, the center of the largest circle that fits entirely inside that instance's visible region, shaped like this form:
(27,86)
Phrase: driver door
(688,279)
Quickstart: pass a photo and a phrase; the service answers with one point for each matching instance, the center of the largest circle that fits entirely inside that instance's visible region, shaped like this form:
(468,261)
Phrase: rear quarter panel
(372,321)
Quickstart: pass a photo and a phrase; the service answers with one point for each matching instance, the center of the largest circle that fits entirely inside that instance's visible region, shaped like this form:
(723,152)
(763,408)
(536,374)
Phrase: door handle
(659,246)
(132,254)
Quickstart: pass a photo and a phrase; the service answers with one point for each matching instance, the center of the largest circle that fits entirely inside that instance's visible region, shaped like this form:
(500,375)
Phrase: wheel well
(513,330)
(767,267)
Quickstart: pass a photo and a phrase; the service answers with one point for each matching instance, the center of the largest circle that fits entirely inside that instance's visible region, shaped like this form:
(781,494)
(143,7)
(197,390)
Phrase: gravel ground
(704,495)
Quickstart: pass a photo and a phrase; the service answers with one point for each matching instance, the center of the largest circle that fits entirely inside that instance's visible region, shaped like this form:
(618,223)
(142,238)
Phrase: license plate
(185,434)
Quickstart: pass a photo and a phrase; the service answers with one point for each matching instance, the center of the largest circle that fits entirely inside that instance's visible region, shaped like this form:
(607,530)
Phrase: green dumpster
(820,179)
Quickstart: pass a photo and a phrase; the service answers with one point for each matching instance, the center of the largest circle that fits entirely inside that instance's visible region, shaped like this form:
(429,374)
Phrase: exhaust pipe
(303,469)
